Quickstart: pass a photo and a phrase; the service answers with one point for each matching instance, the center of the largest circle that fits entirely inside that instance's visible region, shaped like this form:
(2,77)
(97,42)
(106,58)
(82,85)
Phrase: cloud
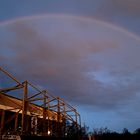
(121,13)
(86,64)
(125,7)
(89,65)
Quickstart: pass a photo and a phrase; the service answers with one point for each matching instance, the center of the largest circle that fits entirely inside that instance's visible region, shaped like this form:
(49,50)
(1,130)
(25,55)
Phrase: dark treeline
(106,134)
(96,134)
(103,134)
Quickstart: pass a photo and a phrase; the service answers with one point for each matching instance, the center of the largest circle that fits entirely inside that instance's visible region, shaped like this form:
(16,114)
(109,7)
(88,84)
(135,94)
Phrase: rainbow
(100,22)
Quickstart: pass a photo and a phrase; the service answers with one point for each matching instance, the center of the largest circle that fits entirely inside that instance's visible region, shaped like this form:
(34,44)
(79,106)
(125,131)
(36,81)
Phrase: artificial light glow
(49,132)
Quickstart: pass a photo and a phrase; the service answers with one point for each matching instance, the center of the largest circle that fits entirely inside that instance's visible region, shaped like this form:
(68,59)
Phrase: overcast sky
(85,51)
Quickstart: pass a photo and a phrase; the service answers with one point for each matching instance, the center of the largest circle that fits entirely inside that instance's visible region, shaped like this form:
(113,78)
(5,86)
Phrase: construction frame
(41,114)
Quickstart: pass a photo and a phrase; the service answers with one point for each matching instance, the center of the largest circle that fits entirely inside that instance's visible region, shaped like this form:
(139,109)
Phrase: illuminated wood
(40,118)
(24,109)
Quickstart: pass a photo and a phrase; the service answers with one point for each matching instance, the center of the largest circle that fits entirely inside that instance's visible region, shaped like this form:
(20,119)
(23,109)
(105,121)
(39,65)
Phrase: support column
(58,117)
(64,119)
(2,121)
(44,117)
(48,118)
(24,108)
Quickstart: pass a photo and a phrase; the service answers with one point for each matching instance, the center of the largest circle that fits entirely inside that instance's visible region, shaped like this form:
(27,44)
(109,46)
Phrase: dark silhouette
(106,134)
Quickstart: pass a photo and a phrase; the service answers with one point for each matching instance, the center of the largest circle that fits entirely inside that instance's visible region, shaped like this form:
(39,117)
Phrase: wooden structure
(39,113)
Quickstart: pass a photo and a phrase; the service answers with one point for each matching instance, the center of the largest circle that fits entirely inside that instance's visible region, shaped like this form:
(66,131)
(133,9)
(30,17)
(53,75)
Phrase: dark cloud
(86,63)
(128,7)
(123,8)
(94,67)
(121,13)
(64,61)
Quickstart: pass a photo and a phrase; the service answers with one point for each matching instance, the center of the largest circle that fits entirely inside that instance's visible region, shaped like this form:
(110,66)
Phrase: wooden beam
(24,109)
(2,121)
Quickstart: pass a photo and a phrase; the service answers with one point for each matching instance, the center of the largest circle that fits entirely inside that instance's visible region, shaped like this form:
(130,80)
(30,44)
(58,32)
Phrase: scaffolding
(39,113)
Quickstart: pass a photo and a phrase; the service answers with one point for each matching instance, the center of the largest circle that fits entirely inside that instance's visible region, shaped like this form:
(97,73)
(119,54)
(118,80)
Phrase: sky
(85,51)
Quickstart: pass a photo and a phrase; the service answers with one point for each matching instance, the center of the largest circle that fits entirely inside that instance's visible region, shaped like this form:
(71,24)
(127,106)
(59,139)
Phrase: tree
(125,131)
(137,131)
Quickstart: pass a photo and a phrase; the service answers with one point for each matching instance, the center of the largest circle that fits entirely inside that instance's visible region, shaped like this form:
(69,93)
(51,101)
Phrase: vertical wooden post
(48,117)
(58,117)
(24,109)
(44,117)
(64,119)
(58,109)
(2,121)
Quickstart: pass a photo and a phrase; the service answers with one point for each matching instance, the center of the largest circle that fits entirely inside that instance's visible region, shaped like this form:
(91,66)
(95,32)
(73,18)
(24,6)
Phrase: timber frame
(40,114)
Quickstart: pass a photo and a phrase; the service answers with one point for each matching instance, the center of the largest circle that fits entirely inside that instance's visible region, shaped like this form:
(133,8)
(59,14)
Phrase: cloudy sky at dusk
(85,51)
